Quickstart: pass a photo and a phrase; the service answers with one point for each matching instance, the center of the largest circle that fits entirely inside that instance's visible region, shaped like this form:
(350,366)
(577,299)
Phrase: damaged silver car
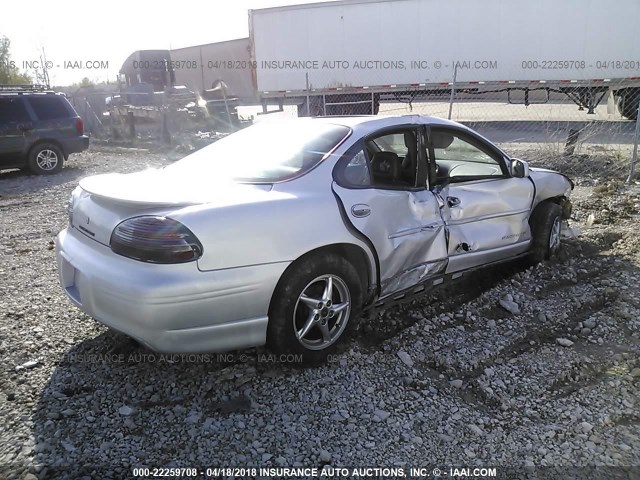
(284,233)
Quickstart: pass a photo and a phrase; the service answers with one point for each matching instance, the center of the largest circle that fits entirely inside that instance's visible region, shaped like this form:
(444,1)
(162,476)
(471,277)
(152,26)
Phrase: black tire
(46,159)
(288,313)
(315,107)
(545,221)
(376,104)
(628,103)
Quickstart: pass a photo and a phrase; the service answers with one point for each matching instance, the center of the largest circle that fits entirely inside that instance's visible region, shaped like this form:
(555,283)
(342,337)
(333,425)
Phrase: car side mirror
(519,168)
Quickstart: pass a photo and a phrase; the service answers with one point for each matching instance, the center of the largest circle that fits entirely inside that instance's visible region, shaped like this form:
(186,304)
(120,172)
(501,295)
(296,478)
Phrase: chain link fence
(584,130)
(560,129)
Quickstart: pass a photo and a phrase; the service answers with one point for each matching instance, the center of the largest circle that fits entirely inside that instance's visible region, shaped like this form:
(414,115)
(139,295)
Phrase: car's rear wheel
(45,159)
(313,307)
(546,228)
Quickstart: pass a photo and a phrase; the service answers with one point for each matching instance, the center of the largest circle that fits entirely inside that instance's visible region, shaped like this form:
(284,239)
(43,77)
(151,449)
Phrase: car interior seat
(385,168)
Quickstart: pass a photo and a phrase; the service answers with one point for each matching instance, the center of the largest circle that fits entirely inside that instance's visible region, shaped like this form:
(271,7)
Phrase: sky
(78,35)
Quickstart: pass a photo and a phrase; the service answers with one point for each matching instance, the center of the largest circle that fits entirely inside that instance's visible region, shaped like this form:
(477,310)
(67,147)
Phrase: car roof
(32,94)
(381,121)
(367,124)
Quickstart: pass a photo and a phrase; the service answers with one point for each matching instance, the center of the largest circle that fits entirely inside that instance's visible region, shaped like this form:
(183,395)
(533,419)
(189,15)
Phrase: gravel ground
(525,367)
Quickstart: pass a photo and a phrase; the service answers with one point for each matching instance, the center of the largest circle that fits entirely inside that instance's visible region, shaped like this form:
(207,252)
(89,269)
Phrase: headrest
(385,165)
(410,140)
(441,139)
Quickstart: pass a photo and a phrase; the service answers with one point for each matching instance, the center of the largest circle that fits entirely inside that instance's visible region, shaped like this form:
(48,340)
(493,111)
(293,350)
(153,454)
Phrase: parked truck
(153,83)
(344,57)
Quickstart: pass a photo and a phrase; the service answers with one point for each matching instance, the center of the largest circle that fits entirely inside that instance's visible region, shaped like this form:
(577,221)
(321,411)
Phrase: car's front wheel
(546,228)
(314,307)
(45,159)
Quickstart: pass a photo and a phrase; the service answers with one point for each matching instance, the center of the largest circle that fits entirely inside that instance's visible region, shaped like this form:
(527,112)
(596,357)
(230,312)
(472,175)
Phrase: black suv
(38,129)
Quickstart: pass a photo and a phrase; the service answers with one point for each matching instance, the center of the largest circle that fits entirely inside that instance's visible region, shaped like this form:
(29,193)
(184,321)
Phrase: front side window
(460,158)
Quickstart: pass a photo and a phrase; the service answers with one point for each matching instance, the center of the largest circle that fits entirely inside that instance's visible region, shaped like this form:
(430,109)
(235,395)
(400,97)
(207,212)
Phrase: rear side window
(356,172)
(13,110)
(50,107)
(389,160)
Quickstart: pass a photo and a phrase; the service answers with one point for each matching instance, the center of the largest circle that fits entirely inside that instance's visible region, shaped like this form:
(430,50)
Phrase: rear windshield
(264,153)
(50,107)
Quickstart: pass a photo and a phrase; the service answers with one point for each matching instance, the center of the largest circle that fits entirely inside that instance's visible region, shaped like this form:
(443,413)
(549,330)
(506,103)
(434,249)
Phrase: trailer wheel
(376,104)
(628,103)
(315,107)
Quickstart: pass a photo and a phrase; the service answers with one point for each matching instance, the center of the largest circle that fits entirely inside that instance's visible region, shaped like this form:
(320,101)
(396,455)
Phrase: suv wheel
(45,159)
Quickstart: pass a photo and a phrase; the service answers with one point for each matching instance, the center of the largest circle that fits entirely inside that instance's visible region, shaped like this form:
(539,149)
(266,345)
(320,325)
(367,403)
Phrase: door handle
(453,202)
(360,210)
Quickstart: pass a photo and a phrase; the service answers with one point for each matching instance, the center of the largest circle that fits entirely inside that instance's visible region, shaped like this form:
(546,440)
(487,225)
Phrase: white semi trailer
(343,57)
(340,57)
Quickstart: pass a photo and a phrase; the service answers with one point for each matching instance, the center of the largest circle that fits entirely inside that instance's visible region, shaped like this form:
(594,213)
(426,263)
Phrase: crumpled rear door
(405,228)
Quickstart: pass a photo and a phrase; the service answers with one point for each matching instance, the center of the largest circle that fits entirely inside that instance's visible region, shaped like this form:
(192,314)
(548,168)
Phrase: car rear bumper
(170,308)
(76,144)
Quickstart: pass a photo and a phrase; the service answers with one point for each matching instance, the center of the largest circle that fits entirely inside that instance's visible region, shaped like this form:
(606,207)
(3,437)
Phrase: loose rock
(406,359)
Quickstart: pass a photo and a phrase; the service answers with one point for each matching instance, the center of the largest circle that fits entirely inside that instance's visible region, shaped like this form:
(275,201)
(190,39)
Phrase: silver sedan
(284,233)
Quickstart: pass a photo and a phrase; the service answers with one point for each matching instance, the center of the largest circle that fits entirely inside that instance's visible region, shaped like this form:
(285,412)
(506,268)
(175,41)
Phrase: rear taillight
(155,240)
(79,126)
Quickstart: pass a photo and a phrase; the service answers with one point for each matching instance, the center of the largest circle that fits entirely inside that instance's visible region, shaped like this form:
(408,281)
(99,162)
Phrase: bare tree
(41,72)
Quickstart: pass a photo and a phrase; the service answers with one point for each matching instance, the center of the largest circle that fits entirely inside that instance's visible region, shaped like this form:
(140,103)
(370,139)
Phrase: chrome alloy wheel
(322,312)
(47,159)
(554,236)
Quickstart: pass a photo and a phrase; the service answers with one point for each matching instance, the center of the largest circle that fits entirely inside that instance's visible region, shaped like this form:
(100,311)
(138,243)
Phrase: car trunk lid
(103,201)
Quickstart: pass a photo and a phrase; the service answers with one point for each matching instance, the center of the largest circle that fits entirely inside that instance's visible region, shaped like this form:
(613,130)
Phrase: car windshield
(265,152)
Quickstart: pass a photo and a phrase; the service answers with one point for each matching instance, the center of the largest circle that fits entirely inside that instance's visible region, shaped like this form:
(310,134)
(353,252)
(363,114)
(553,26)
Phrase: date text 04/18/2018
(315,472)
